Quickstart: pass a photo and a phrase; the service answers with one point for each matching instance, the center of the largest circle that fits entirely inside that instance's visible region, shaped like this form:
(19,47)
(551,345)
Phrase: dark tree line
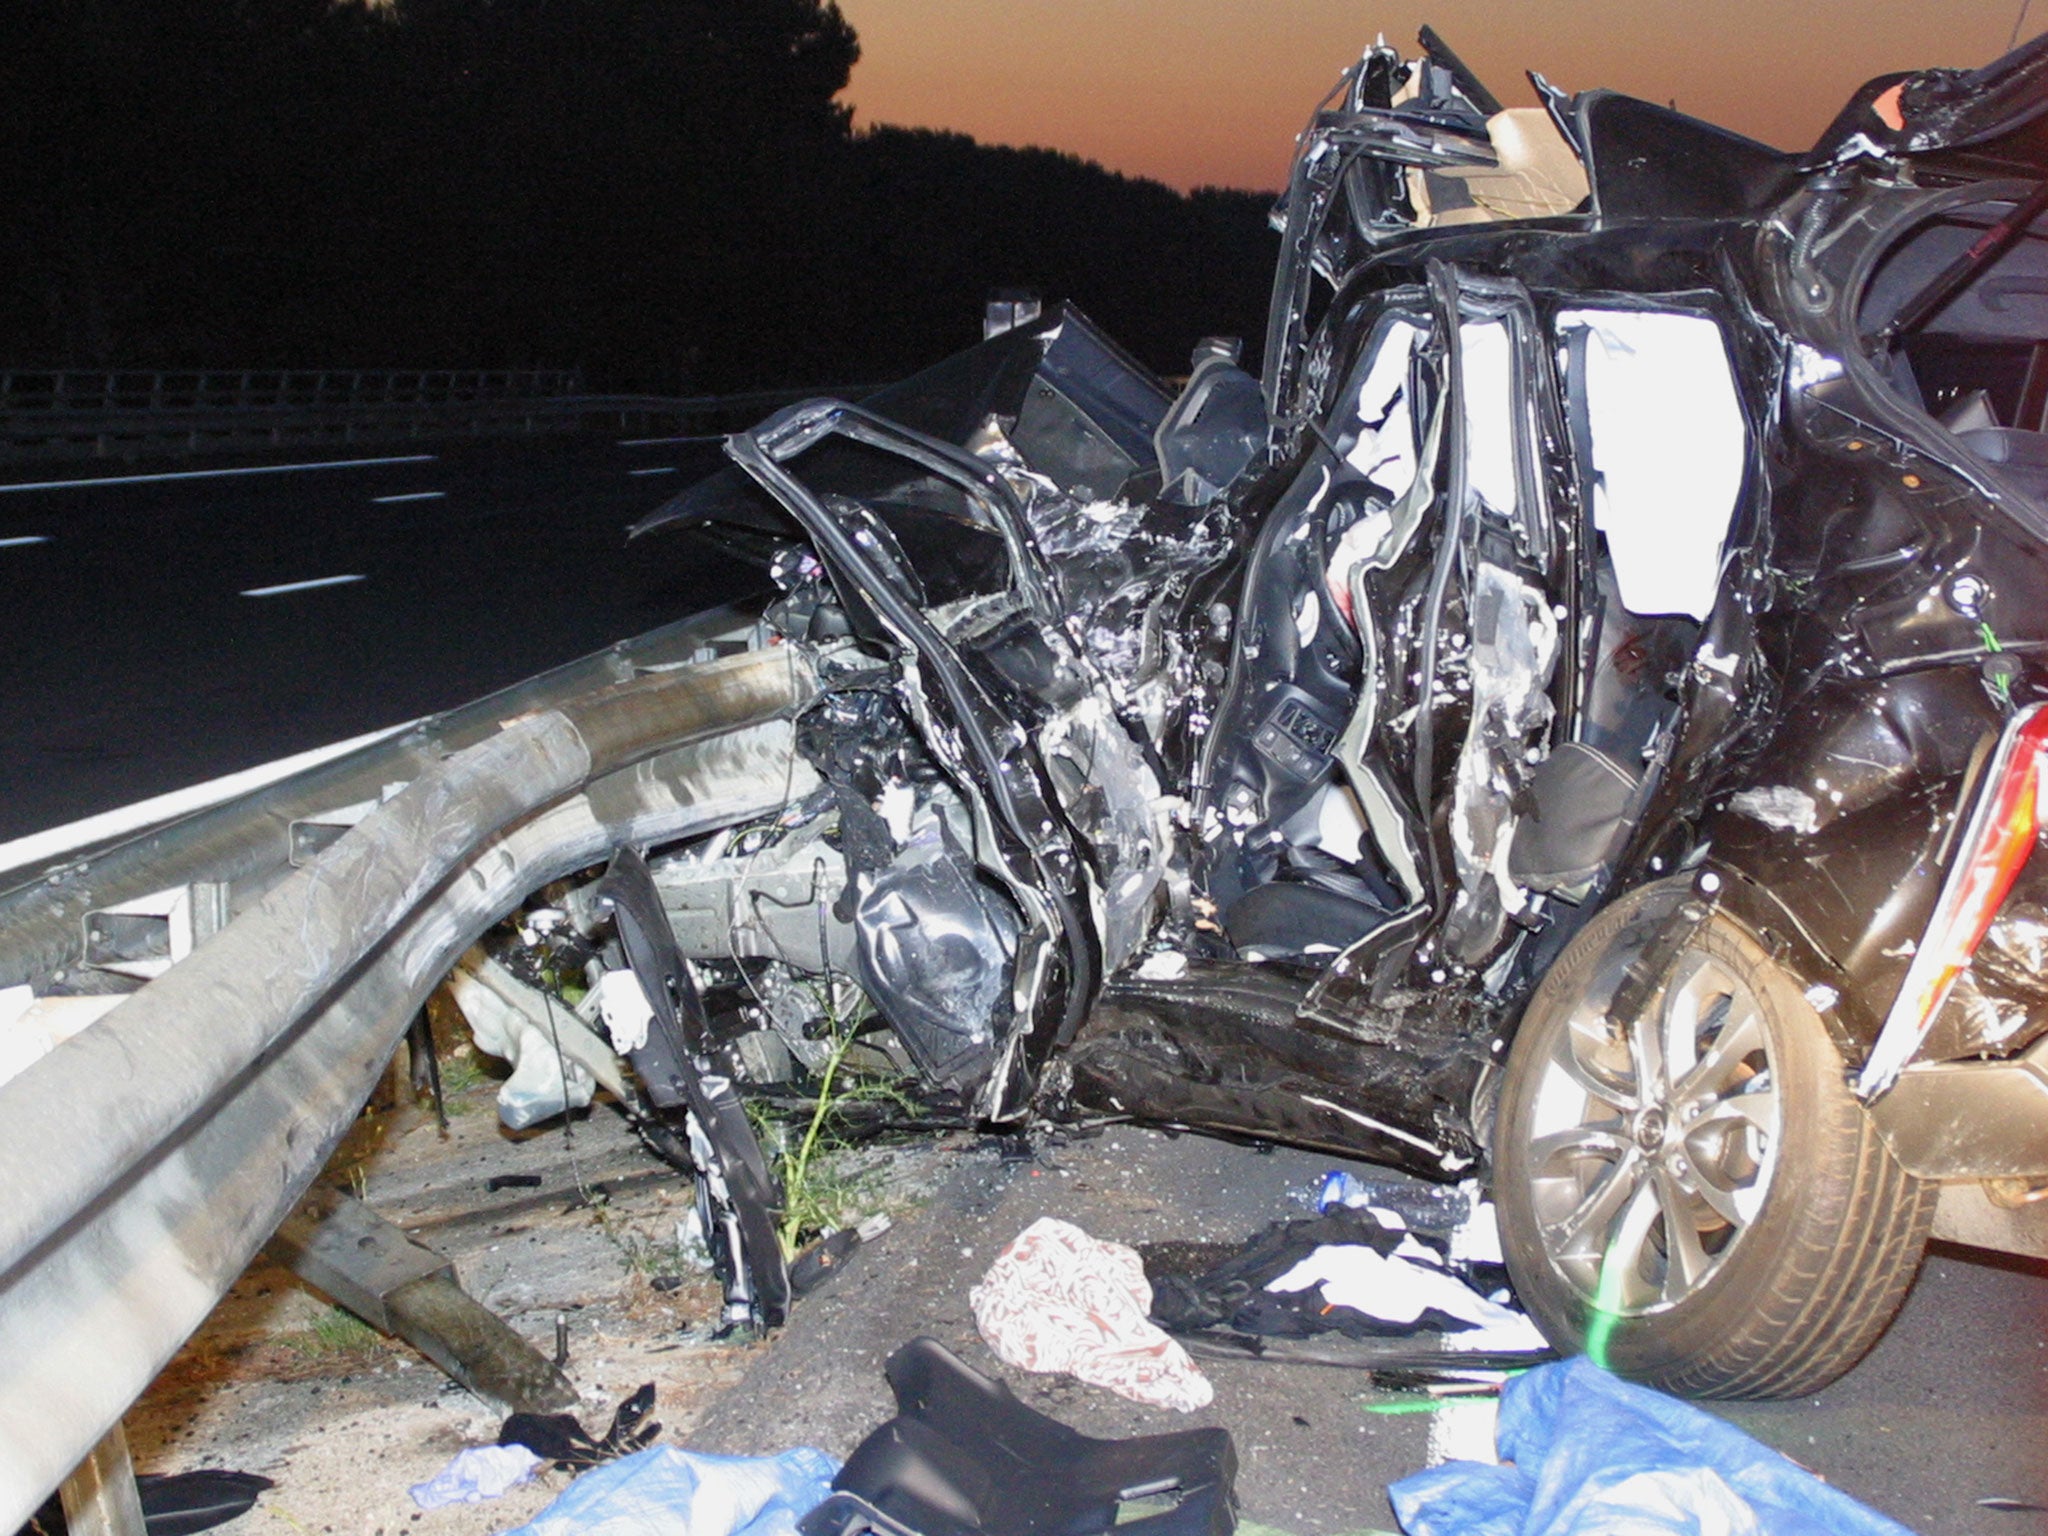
(664,193)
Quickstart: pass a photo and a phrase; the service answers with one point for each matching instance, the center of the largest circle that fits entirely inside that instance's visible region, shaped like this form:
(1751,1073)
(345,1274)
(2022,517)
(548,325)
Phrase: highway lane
(174,623)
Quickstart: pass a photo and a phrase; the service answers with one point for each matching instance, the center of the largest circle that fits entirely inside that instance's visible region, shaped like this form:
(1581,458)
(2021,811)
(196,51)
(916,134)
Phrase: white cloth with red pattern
(1057,1299)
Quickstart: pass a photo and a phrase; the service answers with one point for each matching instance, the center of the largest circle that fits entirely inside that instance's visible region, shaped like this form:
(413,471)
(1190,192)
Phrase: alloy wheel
(1654,1142)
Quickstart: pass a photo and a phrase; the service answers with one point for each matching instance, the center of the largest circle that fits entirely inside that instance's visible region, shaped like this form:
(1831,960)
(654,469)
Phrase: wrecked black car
(1574,721)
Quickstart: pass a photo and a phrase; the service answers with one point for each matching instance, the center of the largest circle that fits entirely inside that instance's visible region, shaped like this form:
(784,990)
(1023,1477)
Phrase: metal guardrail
(206,1121)
(76,391)
(70,414)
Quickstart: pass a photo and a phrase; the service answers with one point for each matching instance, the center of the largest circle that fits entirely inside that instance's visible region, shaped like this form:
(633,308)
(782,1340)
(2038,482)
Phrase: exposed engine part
(766,891)
(797,1007)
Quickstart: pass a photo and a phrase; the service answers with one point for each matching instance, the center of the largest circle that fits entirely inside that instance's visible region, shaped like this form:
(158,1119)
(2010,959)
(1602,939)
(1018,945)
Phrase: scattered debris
(1360,1271)
(1582,1450)
(1377,1356)
(662,1490)
(964,1456)
(402,1287)
(1057,1299)
(1400,1292)
(174,1503)
(822,1260)
(478,1472)
(561,1439)
(558,1061)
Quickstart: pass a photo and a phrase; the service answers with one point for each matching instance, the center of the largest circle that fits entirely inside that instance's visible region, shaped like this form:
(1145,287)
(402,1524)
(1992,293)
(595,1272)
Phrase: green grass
(463,1075)
(804,1154)
(462,1072)
(334,1332)
(641,1255)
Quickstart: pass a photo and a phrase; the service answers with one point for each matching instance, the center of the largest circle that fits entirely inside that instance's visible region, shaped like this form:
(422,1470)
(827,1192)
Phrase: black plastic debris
(1214,1300)
(1416,1358)
(559,1438)
(183,1503)
(175,1503)
(822,1261)
(963,1457)
(498,1181)
(698,1120)
(1233,1294)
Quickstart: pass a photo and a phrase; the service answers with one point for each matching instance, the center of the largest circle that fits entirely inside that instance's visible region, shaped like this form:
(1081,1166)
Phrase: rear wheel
(1694,1197)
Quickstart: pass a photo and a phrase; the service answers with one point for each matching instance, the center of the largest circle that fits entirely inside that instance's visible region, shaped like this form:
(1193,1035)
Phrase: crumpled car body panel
(1618,502)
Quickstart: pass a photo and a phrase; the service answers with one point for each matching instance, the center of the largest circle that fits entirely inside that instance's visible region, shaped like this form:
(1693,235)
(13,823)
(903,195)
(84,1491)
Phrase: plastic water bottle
(1339,1188)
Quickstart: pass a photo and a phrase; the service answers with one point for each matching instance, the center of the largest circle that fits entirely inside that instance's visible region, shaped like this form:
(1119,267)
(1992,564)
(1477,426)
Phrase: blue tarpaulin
(1585,1453)
(663,1491)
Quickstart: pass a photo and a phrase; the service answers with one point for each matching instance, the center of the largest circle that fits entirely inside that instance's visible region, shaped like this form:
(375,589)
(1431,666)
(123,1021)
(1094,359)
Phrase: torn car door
(1397,664)
(974,928)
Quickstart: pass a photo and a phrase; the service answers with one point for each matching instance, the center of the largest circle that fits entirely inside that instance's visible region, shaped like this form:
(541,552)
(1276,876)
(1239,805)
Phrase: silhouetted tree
(664,192)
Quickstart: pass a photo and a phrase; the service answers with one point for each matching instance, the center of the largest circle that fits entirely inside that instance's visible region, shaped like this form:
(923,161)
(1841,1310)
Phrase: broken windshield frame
(1023,840)
(1350,189)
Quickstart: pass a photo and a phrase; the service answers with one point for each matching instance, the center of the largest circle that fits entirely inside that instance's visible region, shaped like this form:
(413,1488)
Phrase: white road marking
(411,496)
(40,847)
(300,586)
(663,469)
(213,474)
(26,538)
(649,442)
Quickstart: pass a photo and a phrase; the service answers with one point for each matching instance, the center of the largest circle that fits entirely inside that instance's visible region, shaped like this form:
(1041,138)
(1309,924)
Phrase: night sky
(1196,92)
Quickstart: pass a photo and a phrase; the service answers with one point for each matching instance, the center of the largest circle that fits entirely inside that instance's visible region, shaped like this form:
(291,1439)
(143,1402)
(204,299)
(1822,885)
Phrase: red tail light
(2001,836)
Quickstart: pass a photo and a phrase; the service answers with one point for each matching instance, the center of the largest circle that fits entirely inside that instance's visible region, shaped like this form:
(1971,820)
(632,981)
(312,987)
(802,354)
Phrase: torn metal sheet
(1620,584)
(1514,648)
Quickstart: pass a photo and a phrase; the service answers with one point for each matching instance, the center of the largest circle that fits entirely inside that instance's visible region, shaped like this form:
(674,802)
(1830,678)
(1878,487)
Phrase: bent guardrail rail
(150,1156)
(68,413)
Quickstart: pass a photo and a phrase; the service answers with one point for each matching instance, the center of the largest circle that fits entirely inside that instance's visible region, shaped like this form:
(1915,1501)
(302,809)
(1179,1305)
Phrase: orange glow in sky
(1196,92)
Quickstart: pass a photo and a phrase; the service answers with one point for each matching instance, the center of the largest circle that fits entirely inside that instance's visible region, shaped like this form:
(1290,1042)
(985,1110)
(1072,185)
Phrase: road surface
(177,622)
(1948,1409)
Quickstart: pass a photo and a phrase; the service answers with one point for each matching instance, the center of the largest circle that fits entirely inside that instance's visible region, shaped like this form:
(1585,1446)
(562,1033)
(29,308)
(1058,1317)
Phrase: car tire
(1804,1232)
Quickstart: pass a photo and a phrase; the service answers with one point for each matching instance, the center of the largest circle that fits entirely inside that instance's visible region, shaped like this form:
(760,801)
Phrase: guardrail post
(99,1497)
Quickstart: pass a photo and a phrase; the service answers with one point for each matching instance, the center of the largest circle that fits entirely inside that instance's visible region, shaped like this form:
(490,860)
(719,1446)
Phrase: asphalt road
(1946,1411)
(166,631)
